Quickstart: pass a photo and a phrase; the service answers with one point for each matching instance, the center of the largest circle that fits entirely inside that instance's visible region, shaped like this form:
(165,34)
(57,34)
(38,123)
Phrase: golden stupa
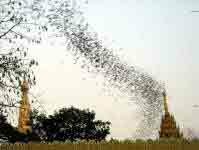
(24,125)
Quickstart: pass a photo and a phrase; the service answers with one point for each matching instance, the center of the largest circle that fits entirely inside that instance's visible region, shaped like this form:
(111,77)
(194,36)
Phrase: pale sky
(159,36)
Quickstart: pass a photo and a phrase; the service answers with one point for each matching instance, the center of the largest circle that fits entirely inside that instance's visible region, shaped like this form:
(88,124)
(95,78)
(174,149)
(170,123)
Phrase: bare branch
(6,3)
(4,34)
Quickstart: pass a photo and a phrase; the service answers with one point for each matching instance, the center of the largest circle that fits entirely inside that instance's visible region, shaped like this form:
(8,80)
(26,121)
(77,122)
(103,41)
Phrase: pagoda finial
(24,86)
(165,102)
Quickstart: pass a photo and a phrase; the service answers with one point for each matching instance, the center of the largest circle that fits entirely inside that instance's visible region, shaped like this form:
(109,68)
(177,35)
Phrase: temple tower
(24,125)
(168,127)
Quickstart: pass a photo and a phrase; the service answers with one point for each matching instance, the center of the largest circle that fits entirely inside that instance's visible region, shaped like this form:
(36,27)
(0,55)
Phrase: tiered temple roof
(168,127)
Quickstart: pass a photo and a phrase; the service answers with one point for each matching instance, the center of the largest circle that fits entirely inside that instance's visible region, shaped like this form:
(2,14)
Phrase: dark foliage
(69,124)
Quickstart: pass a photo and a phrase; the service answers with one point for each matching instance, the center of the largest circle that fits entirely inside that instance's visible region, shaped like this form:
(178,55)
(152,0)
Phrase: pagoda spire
(165,102)
(24,110)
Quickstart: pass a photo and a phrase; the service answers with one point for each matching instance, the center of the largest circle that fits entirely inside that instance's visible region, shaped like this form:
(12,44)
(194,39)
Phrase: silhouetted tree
(69,124)
(7,132)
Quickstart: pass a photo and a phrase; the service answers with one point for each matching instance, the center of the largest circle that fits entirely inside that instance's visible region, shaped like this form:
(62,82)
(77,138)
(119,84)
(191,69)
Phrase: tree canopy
(69,124)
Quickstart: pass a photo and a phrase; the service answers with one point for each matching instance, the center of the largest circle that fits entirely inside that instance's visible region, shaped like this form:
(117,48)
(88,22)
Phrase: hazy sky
(160,36)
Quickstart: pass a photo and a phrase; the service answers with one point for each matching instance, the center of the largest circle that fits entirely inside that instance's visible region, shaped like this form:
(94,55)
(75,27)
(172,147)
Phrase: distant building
(24,125)
(168,127)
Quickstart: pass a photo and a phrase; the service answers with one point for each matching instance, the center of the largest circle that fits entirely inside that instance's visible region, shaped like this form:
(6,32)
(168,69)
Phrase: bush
(115,141)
